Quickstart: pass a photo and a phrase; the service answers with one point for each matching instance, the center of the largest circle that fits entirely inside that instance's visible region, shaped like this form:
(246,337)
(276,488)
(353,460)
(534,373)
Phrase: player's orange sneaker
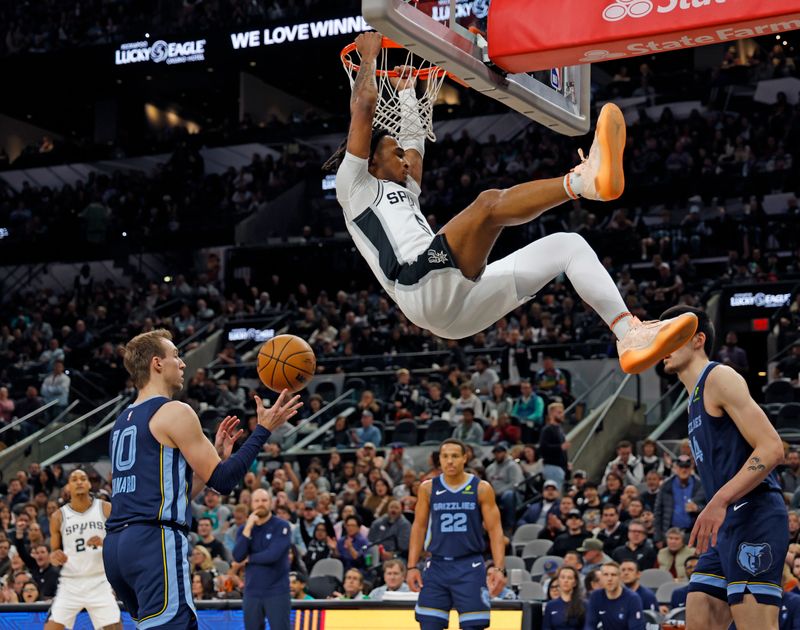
(646,343)
(602,172)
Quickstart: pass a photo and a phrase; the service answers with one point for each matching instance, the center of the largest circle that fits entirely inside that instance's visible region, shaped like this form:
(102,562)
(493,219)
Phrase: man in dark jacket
(680,499)
(571,539)
(638,548)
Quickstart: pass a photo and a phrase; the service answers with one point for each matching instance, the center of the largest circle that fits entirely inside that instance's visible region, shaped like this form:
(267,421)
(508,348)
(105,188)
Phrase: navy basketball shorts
(453,583)
(750,552)
(148,568)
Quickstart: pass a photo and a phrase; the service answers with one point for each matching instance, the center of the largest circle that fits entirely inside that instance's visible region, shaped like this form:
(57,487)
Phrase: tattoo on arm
(756,464)
(365,80)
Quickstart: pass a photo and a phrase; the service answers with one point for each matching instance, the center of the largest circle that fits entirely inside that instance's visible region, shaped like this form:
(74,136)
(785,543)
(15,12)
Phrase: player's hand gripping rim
(414,579)
(226,437)
(283,409)
(706,527)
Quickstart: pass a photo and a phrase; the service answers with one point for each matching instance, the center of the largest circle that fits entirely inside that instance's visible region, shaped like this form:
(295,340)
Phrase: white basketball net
(387,111)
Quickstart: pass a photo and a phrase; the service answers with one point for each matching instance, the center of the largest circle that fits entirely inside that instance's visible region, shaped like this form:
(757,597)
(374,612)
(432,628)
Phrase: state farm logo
(624,8)
(593,56)
(620,9)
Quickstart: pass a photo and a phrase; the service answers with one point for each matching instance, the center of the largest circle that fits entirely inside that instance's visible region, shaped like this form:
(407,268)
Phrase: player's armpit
(726,389)
(176,425)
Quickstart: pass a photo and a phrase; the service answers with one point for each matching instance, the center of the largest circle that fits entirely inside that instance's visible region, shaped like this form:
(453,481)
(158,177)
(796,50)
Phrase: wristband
(503,571)
(411,569)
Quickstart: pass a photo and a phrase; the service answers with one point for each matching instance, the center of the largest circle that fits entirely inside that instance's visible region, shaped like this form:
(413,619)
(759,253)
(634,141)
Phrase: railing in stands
(26,444)
(80,419)
(677,411)
(658,406)
(323,429)
(27,417)
(602,416)
(100,429)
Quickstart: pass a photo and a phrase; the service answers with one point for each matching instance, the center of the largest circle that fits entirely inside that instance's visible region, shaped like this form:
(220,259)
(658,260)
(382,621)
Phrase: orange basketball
(286,362)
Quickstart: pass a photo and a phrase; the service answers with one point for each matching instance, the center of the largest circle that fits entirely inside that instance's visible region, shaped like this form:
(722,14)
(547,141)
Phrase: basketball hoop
(387,111)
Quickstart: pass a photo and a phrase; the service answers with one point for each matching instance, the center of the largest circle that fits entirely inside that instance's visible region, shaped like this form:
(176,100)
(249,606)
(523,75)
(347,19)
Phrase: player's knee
(487,204)
(570,243)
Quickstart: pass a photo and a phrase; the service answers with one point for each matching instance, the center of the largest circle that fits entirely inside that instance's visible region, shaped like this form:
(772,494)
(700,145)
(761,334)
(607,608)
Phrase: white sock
(573,185)
(536,264)
(622,326)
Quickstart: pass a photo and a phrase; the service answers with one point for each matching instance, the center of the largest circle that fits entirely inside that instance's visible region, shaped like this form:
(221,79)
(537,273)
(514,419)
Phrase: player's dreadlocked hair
(336,159)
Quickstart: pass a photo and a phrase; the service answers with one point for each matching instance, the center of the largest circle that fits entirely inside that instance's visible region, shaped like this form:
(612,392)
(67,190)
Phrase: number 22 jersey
(455,526)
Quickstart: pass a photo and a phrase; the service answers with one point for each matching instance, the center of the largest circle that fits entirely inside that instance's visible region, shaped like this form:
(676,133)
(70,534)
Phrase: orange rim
(423,74)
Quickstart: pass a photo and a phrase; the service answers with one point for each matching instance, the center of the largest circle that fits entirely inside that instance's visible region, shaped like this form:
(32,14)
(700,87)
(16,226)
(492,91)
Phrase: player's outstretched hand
(414,579)
(369,45)
(95,541)
(283,409)
(226,437)
(706,527)
(58,558)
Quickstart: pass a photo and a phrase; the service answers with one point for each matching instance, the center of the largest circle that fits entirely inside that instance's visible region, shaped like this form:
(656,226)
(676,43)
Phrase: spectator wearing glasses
(638,548)
(679,501)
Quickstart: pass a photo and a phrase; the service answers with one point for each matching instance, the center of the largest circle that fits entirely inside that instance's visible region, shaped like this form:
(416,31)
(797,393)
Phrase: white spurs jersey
(76,529)
(385,221)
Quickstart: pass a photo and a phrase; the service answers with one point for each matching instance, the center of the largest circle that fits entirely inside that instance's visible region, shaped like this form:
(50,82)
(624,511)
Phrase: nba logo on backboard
(555,78)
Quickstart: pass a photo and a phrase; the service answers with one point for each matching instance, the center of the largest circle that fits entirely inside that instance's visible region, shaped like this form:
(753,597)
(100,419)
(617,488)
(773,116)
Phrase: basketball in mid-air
(286,362)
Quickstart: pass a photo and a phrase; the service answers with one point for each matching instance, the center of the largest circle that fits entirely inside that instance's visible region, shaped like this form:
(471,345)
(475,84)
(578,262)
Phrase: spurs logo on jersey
(76,530)
(385,221)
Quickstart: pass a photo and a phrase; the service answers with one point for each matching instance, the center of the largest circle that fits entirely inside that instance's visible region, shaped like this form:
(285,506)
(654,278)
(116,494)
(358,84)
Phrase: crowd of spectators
(56,346)
(127,211)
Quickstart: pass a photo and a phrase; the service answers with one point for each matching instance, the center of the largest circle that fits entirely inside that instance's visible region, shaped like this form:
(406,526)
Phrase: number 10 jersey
(455,528)
(151,483)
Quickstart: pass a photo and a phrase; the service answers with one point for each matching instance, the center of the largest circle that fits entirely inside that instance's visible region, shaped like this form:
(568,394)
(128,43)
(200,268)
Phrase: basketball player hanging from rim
(441,281)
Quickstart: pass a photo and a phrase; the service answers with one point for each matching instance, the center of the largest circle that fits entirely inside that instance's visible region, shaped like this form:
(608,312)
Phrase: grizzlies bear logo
(754,558)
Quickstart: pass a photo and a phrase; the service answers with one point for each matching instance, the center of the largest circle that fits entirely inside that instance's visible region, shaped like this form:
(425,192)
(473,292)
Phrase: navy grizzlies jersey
(150,481)
(718,447)
(455,527)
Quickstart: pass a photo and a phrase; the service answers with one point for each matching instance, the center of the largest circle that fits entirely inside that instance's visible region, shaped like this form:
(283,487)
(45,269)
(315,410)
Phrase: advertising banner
(528,35)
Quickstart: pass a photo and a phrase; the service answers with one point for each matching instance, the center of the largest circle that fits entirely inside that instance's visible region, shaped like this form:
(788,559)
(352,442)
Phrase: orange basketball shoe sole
(671,337)
(611,134)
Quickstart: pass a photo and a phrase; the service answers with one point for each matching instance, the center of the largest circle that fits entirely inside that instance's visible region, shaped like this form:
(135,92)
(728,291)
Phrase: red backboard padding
(527,35)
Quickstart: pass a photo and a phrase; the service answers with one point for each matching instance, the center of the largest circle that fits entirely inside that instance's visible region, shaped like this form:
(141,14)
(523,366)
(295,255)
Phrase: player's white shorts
(452,306)
(92,593)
